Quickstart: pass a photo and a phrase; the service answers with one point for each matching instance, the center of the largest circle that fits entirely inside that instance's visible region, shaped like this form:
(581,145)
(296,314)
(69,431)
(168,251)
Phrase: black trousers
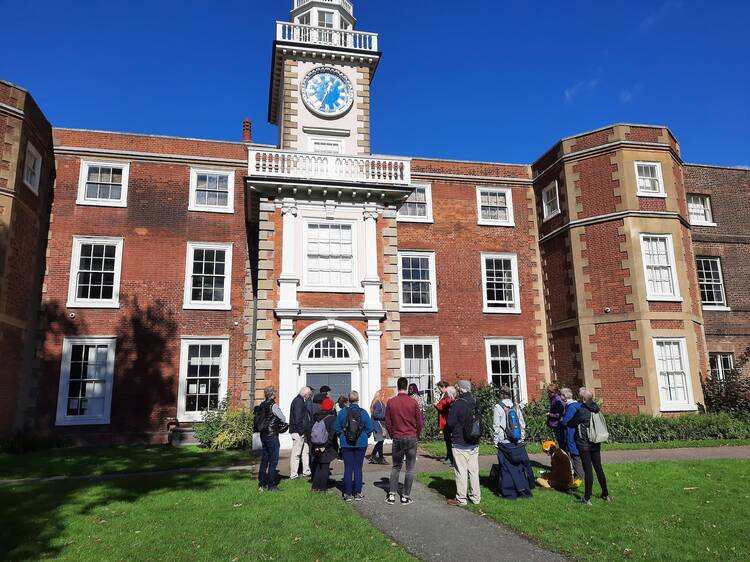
(377,451)
(448,446)
(593,459)
(320,475)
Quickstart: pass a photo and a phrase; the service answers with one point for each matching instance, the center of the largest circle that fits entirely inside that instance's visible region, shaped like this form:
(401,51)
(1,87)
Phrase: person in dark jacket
(324,455)
(591,455)
(516,477)
(269,438)
(555,414)
(353,452)
(299,427)
(443,408)
(465,453)
(377,411)
(571,407)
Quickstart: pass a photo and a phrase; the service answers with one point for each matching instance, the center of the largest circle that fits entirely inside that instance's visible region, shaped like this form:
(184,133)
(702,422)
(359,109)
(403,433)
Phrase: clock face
(327,92)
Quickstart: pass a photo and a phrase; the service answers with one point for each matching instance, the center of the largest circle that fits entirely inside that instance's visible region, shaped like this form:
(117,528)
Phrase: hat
(327,405)
(464,386)
(324,389)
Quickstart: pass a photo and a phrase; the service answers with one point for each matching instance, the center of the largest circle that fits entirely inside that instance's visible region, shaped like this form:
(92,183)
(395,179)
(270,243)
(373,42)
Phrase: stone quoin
(175,273)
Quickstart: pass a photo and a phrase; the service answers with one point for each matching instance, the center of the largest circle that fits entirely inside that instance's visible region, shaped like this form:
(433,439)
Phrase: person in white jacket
(515,477)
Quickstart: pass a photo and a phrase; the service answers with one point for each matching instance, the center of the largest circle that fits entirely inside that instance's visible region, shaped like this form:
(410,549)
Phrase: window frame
(508,192)
(306,286)
(185,343)
(721,371)
(676,296)
(707,199)
(724,306)
(83,175)
(61,417)
(75,259)
(519,343)
(433,306)
(194,206)
(545,215)
(662,193)
(34,187)
(670,405)
(516,309)
(428,201)
(188,303)
(434,341)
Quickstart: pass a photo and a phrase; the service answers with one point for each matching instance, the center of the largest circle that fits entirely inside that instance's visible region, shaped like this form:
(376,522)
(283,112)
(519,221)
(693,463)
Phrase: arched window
(328,348)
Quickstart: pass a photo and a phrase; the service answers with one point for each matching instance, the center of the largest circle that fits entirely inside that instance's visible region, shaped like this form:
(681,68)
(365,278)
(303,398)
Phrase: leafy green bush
(622,428)
(25,442)
(732,393)
(224,429)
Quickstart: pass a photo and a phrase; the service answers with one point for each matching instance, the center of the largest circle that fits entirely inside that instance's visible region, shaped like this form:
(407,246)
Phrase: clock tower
(320,84)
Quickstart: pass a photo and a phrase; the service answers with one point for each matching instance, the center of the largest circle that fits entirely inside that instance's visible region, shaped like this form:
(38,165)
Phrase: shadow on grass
(33,518)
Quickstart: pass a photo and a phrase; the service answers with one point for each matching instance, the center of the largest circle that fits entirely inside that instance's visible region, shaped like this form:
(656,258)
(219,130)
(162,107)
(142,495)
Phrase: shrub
(25,442)
(223,428)
(732,393)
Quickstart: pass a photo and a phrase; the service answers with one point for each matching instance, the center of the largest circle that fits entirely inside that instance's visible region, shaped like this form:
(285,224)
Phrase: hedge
(622,428)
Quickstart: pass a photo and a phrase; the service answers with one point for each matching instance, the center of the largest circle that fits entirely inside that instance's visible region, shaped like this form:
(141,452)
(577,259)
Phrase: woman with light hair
(377,412)
(443,407)
(591,453)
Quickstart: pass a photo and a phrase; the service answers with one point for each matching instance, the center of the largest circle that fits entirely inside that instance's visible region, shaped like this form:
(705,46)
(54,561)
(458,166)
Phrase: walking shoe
(308,473)
(406,501)
(584,501)
(273,489)
(359,498)
(348,499)
(382,461)
(372,460)
(456,503)
(390,499)
(607,498)
(293,476)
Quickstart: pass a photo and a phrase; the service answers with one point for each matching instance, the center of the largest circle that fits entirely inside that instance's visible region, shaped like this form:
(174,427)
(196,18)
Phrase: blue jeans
(268,461)
(353,460)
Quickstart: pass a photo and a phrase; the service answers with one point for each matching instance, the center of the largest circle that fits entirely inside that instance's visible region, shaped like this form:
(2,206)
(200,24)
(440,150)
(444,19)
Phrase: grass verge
(437,448)
(106,460)
(216,516)
(661,511)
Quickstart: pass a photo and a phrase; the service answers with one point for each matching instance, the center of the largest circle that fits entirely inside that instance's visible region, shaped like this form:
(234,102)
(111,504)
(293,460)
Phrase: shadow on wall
(144,388)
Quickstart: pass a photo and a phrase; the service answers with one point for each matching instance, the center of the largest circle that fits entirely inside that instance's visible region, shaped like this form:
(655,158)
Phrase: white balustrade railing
(301,165)
(345,3)
(347,38)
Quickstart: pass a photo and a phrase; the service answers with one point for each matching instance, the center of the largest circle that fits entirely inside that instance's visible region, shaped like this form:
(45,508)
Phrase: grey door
(340,383)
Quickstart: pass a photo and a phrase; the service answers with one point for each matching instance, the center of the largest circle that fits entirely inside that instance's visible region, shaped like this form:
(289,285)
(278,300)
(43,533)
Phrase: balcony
(326,36)
(348,6)
(292,167)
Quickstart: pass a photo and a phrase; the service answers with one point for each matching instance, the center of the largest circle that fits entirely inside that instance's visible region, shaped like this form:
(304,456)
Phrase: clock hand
(328,91)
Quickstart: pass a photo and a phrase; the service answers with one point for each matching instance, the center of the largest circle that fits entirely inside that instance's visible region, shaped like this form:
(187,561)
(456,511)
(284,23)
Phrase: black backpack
(353,425)
(472,425)
(262,417)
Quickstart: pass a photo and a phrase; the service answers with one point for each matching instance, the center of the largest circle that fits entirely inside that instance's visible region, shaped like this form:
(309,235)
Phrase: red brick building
(181,272)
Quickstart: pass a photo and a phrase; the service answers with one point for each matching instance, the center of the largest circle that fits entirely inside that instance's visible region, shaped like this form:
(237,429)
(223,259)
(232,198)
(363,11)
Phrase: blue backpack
(513,431)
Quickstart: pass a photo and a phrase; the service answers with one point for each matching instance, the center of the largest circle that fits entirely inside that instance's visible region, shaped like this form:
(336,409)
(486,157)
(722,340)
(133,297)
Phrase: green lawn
(661,511)
(208,516)
(91,462)
(437,448)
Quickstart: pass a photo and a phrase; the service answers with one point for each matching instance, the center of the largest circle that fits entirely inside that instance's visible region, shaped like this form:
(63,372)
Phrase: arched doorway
(330,360)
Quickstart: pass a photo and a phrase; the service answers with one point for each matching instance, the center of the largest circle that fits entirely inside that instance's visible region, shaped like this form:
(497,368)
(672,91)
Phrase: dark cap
(324,389)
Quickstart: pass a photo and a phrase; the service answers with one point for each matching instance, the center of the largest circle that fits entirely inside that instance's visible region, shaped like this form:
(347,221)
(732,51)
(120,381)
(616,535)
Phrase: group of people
(323,431)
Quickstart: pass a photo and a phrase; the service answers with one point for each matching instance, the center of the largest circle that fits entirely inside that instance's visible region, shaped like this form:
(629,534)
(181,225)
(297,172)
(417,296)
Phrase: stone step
(183,436)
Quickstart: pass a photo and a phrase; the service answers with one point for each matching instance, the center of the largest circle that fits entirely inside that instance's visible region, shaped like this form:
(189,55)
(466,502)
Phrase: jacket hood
(591,405)
(507,402)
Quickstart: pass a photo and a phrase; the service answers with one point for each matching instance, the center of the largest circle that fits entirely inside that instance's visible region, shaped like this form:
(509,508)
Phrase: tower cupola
(327,14)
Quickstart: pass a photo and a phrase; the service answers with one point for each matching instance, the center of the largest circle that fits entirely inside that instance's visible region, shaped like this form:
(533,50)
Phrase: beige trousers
(299,448)
(467,471)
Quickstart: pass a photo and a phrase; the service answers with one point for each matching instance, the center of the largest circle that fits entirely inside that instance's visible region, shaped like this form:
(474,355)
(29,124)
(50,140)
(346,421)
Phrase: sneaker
(390,499)
(406,501)
(293,476)
(584,501)
(382,461)
(607,498)
(308,473)
(359,498)
(372,460)
(273,489)
(456,503)
(348,499)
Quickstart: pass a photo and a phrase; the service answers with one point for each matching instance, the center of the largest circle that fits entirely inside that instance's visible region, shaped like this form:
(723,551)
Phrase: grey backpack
(319,433)
(597,430)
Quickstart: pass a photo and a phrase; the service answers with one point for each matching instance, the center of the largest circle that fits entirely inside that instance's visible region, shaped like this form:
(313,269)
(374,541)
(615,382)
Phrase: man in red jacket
(404,421)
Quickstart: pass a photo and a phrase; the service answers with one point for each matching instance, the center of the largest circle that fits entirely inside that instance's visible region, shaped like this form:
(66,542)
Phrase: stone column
(288,280)
(371,282)
(287,375)
(374,382)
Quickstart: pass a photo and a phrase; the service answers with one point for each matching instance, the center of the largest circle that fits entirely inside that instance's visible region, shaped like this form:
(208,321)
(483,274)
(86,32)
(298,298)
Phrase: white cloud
(576,89)
(650,21)
(627,94)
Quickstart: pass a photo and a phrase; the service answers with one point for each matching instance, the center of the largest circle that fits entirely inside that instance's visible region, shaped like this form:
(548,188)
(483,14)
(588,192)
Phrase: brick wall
(155,227)
(729,190)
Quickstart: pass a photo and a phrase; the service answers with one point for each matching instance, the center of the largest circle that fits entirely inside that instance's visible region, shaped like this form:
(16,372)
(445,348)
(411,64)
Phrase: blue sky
(481,79)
